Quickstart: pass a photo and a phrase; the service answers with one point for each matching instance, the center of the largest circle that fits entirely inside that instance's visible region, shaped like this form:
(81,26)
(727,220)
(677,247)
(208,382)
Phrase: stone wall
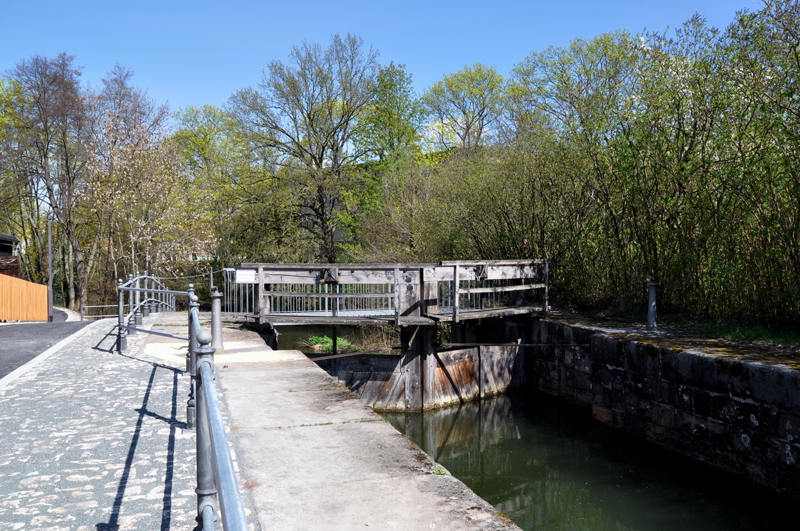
(740,416)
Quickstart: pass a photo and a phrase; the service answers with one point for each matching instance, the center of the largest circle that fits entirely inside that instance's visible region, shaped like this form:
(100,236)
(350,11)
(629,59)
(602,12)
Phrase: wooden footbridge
(394,294)
(484,302)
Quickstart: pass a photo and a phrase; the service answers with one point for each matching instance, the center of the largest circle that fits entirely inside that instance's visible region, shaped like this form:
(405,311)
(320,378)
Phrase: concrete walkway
(314,457)
(94,440)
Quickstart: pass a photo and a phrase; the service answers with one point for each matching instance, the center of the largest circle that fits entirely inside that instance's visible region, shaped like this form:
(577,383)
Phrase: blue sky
(198,52)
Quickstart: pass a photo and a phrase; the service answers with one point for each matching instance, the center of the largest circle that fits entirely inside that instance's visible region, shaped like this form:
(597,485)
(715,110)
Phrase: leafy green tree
(391,124)
(306,112)
(466,104)
(251,211)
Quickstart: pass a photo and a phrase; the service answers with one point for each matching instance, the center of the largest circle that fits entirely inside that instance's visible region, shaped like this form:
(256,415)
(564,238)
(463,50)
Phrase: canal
(549,466)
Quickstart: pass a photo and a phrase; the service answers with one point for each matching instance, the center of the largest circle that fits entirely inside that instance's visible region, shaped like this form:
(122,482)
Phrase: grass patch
(759,334)
(325,344)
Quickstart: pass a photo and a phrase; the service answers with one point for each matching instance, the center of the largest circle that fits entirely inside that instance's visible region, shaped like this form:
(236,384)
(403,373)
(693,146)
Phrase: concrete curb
(19,371)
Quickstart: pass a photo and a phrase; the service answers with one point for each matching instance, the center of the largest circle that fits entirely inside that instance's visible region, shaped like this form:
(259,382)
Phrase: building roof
(7,238)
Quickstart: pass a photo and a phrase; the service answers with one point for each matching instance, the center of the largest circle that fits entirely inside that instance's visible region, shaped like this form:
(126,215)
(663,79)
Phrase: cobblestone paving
(94,440)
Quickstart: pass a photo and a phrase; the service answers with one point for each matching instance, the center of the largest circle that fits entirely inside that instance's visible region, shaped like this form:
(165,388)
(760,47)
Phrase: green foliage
(465,105)
(325,344)
(305,112)
(390,126)
(623,157)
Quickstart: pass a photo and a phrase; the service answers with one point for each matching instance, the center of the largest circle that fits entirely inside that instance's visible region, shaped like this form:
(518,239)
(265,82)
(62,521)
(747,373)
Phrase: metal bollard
(651,304)
(191,363)
(206,478)
(216,321)
(122,340)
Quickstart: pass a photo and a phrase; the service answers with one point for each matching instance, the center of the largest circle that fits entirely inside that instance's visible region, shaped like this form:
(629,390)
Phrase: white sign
(245,276)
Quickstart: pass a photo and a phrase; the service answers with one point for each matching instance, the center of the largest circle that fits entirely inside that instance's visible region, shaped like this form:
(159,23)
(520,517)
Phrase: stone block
(753,417)
(693,368)
(642,359)
(607,351)
(769,384)
(580,381)
(701,403)
(679,396)
(788,427)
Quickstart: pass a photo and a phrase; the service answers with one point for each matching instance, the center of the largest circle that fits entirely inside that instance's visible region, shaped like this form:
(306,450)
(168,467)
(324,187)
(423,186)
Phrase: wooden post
(481,384)
(430,294)
(397,296)
(259,295)
(411,366)
(546,285)
(455,293)
(429,365)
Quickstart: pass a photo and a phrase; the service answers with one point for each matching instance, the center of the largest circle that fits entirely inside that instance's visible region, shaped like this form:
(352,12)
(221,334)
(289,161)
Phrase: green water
(550,467)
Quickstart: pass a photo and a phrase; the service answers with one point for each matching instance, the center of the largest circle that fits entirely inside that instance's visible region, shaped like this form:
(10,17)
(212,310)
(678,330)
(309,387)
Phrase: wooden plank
(379,320)
(474,272)
(334,295)
(318,267)
(428,362)
(412,367)
(466,315)
(499,289)
(346,276)
(409,299)
(456,280)
(430,293)
(465,263)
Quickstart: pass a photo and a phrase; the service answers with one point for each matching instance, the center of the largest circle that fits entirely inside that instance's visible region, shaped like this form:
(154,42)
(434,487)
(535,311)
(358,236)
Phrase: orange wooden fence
(21,300)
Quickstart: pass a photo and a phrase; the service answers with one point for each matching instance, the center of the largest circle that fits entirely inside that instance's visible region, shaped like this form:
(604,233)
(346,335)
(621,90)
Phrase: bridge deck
(391,294)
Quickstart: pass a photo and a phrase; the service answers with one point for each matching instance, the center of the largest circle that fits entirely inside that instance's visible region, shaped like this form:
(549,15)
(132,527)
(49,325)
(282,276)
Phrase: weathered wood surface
(465,315)
(380,320)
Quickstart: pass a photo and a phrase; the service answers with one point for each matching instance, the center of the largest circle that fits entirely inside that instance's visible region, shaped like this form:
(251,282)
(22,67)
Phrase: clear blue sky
(198,52)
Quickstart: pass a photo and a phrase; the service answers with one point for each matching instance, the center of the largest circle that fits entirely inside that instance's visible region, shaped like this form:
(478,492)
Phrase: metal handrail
(230,500)
(217,488)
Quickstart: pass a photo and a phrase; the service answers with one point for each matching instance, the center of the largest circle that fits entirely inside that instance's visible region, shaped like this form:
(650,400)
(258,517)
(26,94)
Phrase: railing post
(396,280)
(216,320)
(206,478)
(545,305)
(131,319)
(138,313)
(122,340)
(191,362)
(146,308)
(651,304)
(456,296)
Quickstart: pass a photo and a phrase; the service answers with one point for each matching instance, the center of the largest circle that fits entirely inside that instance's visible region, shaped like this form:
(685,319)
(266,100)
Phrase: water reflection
(550,467)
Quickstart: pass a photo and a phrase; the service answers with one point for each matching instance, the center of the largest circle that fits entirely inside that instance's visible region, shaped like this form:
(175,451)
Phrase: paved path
(94,440)
(20,343)
(91,440)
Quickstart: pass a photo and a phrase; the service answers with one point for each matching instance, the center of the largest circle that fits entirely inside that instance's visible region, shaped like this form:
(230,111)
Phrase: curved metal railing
(218,496)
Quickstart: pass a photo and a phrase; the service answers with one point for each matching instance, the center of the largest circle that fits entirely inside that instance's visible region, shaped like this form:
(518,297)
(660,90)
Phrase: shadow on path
(166,513)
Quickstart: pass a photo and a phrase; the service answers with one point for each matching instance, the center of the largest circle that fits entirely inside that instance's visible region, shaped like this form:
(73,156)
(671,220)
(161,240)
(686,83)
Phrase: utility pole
(49,268)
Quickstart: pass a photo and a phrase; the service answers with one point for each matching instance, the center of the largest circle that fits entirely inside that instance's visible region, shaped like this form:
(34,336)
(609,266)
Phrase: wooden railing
(21,300)
(402,293)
